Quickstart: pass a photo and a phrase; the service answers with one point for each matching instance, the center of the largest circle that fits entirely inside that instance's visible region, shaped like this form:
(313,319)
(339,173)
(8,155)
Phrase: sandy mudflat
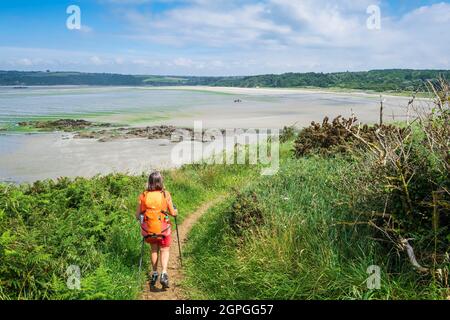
(273,91)
(48,156)
(42,156)
(32,157)
(275,108)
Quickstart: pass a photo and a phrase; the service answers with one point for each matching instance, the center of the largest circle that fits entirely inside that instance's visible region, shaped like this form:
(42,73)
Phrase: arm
(140,207)
(172,211)
(138,212)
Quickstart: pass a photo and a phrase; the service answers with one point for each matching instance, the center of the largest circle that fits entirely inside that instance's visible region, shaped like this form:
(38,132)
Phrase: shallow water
(39,156)
(20,104)
(134,105)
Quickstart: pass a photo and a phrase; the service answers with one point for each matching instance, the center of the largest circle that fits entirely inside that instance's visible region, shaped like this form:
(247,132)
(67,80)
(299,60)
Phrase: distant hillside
(38,78)
(377,80)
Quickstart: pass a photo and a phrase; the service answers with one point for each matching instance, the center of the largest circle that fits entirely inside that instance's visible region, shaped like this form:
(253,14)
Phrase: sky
(221,38)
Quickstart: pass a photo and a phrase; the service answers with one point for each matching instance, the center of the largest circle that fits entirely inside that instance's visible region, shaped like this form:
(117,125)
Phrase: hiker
(155,204)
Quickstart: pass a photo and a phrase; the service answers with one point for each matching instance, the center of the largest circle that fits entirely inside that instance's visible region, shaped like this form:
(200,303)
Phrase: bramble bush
(337,137)
(49,225)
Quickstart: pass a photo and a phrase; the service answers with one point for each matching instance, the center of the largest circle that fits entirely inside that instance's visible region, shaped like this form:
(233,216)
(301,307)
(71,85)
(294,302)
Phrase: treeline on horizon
(396,80)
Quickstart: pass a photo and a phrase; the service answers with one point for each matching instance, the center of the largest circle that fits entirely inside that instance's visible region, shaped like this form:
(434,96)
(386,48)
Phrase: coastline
(57,154)
(237,90)
(53,154)
(281,90)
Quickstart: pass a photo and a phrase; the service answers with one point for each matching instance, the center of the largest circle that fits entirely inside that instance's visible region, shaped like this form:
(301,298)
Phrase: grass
(289,236)
(11,124)
(48,226)
(158,79)
(211,90)
(305,247)
(144,119)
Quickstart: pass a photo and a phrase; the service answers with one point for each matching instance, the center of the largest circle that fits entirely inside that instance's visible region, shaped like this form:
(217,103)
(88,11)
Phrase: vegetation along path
(175,292)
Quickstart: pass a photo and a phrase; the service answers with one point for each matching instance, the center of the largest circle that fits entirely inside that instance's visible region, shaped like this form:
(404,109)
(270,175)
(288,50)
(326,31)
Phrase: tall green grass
(307,245)
(48,226)
(290,236)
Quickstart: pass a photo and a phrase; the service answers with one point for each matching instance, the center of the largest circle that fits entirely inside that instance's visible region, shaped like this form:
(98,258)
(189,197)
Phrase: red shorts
(163,243)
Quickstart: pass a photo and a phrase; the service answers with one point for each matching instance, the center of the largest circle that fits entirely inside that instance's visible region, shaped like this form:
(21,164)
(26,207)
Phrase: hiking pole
(141,220)
(179,245)
(142,254)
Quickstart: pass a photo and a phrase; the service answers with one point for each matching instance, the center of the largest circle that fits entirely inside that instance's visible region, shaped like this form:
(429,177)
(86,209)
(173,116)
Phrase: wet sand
(26,158)
(43,156)
(49,156)
(275,108)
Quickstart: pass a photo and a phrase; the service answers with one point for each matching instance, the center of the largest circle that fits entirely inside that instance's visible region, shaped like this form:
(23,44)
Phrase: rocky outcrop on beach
(66,125)
(155,132)
(104,132)
(172,133)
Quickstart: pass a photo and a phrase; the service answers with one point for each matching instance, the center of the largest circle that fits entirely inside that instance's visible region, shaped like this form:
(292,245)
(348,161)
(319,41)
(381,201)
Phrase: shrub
(287,134)
(340,136)
(408,197)
(245,213)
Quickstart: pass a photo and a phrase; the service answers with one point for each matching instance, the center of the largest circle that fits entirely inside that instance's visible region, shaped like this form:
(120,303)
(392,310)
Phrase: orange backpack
(156,223)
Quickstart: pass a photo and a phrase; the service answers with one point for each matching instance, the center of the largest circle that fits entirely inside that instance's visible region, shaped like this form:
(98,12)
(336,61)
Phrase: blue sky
(233,37)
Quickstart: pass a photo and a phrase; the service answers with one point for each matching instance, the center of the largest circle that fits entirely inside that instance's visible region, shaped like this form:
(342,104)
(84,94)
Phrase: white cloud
(86,29)
(270,36)
(25,62)
(119,60)
(306,35)
(207,24)
(96,60)
(183,62)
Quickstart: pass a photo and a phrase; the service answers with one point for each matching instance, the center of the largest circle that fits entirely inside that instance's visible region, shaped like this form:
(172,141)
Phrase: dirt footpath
(175,291)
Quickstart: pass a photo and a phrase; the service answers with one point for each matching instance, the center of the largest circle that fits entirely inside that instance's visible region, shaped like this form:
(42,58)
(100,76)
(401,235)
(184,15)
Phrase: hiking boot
(153,280)
(164,280)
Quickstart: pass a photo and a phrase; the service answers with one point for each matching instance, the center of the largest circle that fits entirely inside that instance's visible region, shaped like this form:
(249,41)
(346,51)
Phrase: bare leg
(155,249)
(165,259)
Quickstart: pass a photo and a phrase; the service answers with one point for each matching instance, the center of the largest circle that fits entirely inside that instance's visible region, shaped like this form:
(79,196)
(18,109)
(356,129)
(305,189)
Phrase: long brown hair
(155,182)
